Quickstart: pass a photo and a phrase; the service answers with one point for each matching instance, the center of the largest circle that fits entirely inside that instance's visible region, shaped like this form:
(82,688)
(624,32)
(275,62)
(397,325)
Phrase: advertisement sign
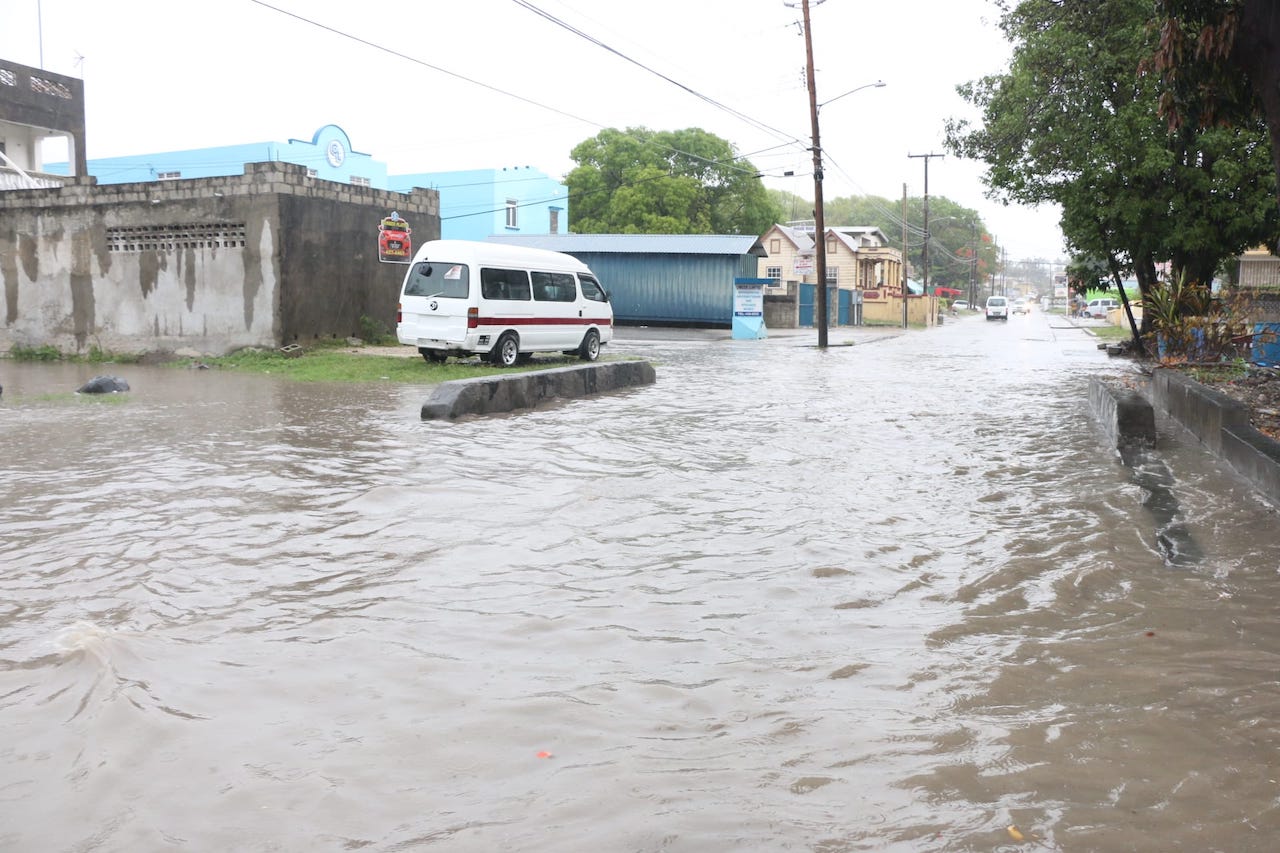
(748,308)
(394,243)
(805,265)
(748,300)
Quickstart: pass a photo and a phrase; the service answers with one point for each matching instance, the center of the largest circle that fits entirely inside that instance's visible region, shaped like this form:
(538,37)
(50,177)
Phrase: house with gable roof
(861,266)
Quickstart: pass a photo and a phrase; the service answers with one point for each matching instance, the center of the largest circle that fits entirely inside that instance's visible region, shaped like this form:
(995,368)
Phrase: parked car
(1098,308)
(997,308)
(960,305)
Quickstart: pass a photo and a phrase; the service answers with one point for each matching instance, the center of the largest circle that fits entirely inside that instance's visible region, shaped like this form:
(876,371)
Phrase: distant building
(473,204)
(215,254)
(660,279)
(861,267)
(479,203)
(38,108)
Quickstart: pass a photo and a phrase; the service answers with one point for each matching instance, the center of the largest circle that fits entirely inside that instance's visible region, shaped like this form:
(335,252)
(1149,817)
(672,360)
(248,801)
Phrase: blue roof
(649,244)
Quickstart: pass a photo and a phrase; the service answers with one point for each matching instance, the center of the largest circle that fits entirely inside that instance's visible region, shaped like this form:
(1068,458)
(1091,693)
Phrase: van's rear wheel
(506,352)
(436,356)
(590,349)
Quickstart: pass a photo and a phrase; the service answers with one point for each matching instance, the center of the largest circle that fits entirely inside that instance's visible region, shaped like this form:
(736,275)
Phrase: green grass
(95,355)
(330,364)
(1112,333)
(1217,373)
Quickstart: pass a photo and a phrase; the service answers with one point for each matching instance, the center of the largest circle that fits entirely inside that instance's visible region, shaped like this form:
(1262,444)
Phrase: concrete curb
(487,395)
(1222,425)
(1126,416)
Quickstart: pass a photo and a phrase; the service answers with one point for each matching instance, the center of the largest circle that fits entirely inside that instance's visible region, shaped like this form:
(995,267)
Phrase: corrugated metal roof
(649,244)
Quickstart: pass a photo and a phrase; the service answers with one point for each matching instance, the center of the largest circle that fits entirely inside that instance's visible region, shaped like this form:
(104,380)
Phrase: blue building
(661,279)
(474,204)
(479,203)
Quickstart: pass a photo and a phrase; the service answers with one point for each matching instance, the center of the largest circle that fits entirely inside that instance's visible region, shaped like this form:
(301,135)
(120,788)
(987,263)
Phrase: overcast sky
(438,85)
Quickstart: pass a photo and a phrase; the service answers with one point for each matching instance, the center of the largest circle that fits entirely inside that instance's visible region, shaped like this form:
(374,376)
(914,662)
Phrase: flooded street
(896,596)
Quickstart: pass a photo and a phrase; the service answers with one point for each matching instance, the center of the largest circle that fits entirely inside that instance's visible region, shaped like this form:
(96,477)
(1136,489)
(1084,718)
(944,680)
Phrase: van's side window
(553,287)
(438,278)
(504,284)
(591,289)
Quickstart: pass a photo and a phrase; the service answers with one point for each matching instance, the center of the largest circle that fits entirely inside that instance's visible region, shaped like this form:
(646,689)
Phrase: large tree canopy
(1220,61)
(641,181)
(1073,121)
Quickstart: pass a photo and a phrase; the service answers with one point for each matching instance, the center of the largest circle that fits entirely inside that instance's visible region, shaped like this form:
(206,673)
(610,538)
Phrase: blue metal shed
(660,279)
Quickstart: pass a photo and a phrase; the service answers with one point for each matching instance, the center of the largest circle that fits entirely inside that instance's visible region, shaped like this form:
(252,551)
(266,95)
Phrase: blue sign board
(748,308)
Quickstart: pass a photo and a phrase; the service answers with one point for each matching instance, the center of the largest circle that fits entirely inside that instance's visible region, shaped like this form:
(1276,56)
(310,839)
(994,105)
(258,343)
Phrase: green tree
(641,181)
(1074,122)
(1220,63)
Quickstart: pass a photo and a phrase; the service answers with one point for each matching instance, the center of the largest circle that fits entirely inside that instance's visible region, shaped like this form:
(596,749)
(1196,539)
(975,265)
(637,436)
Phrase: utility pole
(973,267)
(819,225)
(926,216)
(904,256)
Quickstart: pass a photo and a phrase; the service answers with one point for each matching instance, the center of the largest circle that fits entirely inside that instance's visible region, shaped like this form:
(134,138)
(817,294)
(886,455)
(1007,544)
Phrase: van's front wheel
(506,352)
(590,349)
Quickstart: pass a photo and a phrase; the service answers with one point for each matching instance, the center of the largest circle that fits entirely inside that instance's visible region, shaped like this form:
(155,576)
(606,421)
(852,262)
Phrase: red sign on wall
(394,244)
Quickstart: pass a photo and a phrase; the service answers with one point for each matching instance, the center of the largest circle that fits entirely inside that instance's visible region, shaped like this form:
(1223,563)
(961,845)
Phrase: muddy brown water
(893,596)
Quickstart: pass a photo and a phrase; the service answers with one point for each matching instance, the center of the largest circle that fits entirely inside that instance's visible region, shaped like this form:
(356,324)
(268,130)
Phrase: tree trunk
(1257,52)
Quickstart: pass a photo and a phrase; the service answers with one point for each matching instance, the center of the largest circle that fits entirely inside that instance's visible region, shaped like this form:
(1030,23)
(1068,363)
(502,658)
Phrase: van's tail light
(473,318)
(399,313)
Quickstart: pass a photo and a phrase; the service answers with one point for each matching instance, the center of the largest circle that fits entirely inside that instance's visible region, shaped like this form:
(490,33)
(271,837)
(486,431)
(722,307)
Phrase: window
(358,181)
(504,284)
(512,207)
(775,246)
(438,278)
(774,273)
(833,275)
(554,227)
(591,289)
(168,176)
(554,287)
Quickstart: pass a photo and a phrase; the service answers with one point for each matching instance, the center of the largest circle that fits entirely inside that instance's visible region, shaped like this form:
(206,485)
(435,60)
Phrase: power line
(759,125)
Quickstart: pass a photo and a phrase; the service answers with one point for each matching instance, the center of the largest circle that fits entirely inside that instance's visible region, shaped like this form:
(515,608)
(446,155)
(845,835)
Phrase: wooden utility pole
(904,256)
(926,216)
(819,225)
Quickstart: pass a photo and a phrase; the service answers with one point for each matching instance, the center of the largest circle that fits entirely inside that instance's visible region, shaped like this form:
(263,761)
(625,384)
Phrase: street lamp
(876,85)
(819,222)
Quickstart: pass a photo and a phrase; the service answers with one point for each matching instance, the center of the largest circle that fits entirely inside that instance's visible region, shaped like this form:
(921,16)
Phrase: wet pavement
(898,594)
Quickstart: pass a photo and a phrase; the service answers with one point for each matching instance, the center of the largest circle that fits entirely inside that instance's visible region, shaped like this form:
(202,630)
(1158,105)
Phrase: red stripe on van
(474,322)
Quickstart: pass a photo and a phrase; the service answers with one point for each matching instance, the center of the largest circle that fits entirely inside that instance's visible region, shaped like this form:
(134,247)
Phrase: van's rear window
(438,278)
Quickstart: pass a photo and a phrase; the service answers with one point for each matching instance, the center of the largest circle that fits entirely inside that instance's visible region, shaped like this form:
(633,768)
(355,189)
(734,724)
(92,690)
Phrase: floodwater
(893,596)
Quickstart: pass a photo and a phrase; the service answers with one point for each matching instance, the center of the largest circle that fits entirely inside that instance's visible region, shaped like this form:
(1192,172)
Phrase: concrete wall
(1222,425)
(921,311)
(261,259)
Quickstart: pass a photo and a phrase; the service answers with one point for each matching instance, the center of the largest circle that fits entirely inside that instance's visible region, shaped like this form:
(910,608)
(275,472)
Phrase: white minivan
(504,303)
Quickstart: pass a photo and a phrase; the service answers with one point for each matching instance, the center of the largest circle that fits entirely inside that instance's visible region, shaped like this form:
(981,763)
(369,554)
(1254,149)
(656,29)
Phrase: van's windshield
(438,278)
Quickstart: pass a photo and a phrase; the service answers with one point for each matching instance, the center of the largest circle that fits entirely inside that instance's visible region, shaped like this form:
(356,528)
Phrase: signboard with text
(748,308)
(394,243)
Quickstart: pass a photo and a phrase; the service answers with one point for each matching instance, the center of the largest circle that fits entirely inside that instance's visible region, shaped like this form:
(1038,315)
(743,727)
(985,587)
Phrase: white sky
(163,75)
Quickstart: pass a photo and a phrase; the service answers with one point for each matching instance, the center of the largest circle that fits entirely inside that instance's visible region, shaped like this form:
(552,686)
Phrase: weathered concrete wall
(1222,425)
(486,395)
(212,264)
(1126,416)
(1198,408)
(330,273)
